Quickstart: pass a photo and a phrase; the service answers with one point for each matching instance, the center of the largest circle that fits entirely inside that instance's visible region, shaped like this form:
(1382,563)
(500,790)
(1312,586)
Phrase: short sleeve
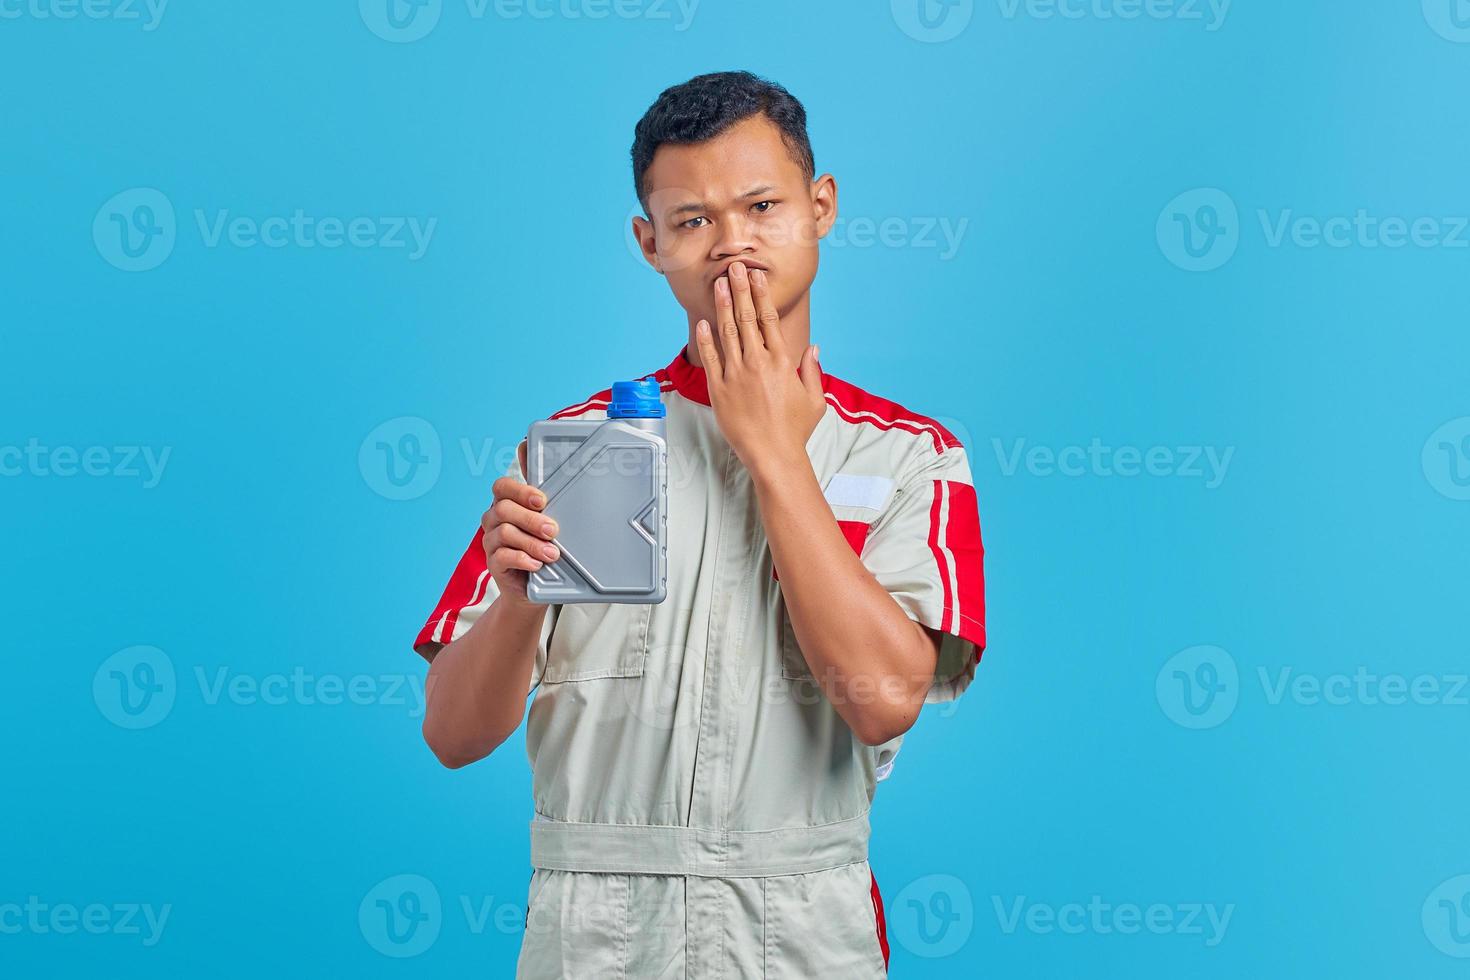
(470,592)
(926,550)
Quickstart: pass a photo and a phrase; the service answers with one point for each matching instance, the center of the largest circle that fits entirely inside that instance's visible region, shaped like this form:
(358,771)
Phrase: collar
(689,379)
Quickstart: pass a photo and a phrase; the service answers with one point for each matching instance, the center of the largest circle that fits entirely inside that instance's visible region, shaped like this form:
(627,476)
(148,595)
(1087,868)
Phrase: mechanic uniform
(701,810)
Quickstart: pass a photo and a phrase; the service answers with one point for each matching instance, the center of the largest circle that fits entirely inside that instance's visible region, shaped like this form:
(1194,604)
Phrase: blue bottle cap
(636,400)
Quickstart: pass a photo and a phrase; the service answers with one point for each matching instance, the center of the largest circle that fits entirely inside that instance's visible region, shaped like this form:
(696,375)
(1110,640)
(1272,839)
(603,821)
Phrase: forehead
(748,153)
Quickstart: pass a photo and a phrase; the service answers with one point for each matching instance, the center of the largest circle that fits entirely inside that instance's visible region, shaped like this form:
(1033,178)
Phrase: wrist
(779,468)
(519,609)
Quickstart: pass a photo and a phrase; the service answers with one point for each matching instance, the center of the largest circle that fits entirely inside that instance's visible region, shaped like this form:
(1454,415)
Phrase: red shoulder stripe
(857,405)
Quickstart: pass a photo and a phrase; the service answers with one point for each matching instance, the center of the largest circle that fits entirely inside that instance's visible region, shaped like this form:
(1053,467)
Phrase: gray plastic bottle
(606,486)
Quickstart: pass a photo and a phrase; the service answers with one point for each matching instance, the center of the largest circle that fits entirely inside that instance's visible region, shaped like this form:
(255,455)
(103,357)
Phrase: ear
(643,231)
(824,203)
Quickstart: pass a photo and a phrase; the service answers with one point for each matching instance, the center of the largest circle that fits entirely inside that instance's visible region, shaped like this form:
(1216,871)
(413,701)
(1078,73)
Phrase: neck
(796,328)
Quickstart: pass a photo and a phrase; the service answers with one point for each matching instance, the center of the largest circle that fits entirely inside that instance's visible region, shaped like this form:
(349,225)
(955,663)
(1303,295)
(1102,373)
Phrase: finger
(725,327)
(507,511)
(810,373)
(765,311)
(750,334)
(522,493)
(510,536)
(503,559)
(704,338)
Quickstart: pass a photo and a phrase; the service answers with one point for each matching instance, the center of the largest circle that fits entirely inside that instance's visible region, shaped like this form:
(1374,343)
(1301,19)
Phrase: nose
(736,238)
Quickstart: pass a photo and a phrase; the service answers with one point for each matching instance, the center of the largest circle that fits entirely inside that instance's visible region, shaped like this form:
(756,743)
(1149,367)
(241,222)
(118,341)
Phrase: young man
(703,767)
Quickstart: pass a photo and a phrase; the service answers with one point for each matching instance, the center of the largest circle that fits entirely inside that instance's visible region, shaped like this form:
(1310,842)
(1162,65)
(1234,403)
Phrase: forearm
(475,695)
(872,661)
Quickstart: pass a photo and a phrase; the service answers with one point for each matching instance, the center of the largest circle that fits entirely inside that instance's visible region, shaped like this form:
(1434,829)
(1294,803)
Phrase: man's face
(738,196)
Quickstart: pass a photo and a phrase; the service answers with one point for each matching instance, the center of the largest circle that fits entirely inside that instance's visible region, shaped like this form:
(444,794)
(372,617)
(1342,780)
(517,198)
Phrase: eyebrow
(693,206)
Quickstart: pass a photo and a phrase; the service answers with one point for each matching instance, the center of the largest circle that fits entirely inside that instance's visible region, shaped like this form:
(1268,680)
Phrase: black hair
(707,105)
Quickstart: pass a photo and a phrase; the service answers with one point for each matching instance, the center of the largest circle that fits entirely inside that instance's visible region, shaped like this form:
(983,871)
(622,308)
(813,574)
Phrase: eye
(763,206)
(690,223)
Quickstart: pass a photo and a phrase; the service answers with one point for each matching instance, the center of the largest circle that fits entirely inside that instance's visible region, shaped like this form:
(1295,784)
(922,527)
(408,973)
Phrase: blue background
(1074,767)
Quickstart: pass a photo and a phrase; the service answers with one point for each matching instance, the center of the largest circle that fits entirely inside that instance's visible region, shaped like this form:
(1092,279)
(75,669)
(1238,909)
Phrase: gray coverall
(701,810)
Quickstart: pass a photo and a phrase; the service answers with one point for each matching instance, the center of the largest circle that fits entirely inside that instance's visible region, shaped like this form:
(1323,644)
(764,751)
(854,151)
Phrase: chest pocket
(857,501)
(593,640)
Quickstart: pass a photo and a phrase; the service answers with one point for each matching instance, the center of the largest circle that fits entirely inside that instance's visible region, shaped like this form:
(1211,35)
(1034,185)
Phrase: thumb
(810,372)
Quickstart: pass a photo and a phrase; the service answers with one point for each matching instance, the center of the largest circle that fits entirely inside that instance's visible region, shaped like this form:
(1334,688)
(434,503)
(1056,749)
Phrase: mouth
(749,264)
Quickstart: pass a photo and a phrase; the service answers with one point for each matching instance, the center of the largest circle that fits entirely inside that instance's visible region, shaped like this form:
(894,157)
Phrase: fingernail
(550,552)
(549,530)
(758,277)
(737,270)
(537,500)
(723,285)
(703,328)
